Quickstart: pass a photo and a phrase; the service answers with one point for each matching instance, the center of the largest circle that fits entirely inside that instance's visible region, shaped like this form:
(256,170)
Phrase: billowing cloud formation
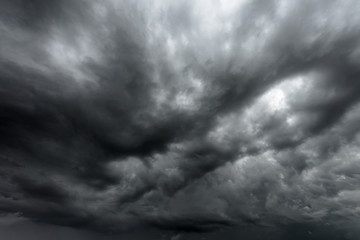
(181,115)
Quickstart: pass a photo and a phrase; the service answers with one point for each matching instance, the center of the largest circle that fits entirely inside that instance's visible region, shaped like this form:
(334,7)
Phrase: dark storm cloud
(188,116)
(197,223)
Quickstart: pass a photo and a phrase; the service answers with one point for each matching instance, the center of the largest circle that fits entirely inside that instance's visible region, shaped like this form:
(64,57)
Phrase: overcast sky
(188,119)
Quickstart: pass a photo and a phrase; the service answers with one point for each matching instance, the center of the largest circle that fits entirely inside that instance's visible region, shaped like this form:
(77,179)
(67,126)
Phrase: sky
(190,119)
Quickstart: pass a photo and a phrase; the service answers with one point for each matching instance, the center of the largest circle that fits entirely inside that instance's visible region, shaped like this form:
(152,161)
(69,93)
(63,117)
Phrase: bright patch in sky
(276,99)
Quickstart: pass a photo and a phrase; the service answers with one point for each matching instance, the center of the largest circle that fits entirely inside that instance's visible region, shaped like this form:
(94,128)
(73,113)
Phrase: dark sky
(214,119)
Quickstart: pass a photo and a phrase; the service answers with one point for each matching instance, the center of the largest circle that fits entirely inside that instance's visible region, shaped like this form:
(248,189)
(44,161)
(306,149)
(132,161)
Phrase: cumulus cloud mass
(187,116)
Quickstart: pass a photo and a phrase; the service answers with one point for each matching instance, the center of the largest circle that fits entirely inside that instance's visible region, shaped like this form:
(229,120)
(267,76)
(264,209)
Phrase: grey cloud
(8,219)
(121,115)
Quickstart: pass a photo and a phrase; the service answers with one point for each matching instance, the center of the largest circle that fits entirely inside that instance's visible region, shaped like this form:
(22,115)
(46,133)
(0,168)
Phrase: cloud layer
(187,115)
